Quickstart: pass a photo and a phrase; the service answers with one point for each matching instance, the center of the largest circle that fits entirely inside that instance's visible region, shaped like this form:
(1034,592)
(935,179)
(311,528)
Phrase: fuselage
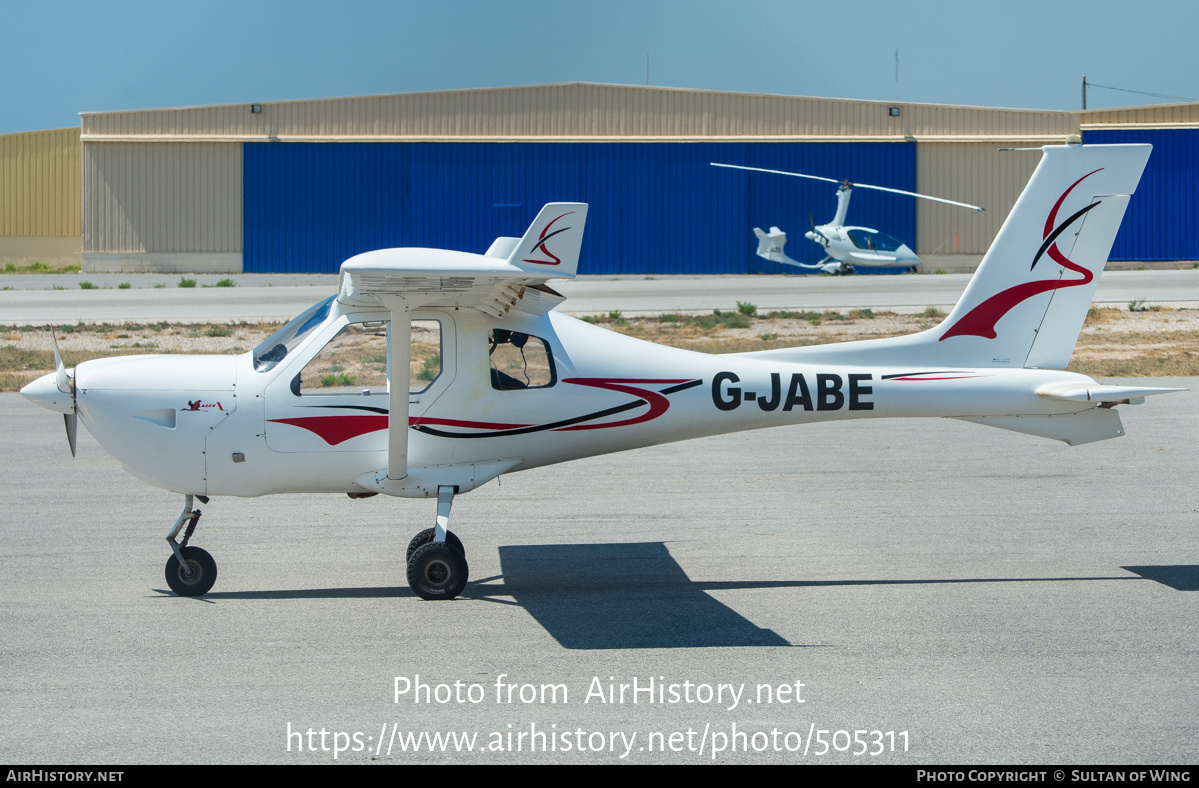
(863,246)
(239,425)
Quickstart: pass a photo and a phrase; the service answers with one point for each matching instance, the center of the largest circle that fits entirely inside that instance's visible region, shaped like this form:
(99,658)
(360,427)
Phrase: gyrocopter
(430,373)
(844,246)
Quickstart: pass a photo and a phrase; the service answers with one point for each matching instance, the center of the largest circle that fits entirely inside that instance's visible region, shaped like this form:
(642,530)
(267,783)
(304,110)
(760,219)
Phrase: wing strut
(399,362)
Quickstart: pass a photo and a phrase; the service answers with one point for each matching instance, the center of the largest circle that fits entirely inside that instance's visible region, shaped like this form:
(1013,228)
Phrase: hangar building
(302,185)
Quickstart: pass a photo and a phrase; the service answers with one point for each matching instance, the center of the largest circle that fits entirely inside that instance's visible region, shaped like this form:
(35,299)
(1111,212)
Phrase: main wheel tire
(437,571)
(426,536)
(199,576)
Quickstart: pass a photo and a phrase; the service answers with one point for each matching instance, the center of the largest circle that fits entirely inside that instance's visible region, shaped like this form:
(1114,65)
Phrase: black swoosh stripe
(1061,228)
(599,414)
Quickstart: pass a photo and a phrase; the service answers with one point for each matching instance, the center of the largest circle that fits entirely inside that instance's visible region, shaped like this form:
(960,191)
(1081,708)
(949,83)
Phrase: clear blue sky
(60,57)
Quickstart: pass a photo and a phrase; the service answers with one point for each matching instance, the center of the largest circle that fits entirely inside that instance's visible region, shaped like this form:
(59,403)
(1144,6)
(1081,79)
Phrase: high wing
(510,275)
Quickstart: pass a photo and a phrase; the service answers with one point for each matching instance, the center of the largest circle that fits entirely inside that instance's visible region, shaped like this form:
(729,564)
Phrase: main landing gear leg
(437,566)
(190,571)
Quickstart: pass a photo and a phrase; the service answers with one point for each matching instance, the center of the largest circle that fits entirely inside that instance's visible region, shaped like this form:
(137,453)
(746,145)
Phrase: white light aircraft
(499,381)
(844,246)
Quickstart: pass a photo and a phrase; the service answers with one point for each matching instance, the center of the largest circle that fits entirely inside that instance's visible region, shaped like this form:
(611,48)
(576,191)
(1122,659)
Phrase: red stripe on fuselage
(337,429)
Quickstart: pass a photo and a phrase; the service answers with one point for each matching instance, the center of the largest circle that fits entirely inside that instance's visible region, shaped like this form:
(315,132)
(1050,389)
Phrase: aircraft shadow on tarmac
(1181,577)
(636,595)
(602,596)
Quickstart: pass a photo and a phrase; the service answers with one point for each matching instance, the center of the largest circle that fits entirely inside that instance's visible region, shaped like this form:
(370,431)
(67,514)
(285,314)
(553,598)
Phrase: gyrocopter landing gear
(190,571)
(437,566)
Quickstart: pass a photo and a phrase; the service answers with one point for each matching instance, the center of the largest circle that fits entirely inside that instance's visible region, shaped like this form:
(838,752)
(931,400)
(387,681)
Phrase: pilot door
(334,396)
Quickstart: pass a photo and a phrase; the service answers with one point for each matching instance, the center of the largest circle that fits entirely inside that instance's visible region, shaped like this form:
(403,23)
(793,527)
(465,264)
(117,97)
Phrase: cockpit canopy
(872,240)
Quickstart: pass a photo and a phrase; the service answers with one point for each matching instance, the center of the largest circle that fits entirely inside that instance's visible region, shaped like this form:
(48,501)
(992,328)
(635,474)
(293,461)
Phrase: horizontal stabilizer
(1096,424)
(1072,392)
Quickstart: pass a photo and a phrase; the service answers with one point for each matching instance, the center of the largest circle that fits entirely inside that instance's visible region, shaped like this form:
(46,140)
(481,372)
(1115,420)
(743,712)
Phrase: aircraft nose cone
(44,391)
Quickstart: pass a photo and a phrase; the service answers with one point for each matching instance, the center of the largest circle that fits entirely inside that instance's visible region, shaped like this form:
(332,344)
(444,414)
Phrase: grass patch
(932,311)
(746,308)
(124,286)
(187,283)
(1101,315)
(41,268)
(1139,305)
(222,283)
(1167,363)
(85,285)
(218,331)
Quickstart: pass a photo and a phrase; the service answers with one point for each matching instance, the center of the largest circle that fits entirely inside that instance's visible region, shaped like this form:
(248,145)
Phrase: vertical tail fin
(771,244)
(551,244)
(1029,298)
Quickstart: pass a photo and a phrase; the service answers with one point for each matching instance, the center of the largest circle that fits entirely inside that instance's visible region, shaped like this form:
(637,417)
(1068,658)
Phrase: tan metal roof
(577,111)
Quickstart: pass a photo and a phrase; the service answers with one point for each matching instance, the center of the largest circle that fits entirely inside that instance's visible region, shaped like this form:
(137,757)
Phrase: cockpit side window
(426,355)
(355,361)
(519,361)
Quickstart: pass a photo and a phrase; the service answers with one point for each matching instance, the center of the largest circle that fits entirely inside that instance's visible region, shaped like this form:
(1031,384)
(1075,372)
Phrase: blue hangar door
(656,208)
(1162,220)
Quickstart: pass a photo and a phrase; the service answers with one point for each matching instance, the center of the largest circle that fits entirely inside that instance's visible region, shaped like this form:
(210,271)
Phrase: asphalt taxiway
(270,297)
(943,592)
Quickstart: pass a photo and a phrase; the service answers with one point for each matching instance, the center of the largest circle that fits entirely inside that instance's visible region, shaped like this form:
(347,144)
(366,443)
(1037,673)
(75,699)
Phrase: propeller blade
(61,378)
(71,421)
(65,384)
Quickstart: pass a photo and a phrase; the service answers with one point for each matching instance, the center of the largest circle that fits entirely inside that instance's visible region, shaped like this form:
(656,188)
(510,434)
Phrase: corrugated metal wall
(1162,221)
(162,197)
(655,208)
(972,172)
(39,184)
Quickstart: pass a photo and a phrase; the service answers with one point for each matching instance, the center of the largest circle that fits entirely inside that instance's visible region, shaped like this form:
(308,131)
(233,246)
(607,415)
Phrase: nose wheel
(198,576)
(437,567)
(190,571)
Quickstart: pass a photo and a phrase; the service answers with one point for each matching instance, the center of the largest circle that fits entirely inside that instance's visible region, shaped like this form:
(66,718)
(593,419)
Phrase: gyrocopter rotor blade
(847,184)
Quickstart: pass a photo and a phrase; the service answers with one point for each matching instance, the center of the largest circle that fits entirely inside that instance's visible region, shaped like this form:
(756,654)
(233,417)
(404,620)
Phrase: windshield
(279,344)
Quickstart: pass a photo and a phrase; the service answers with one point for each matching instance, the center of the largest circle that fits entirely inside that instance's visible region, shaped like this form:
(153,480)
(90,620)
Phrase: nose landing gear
(190,571)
